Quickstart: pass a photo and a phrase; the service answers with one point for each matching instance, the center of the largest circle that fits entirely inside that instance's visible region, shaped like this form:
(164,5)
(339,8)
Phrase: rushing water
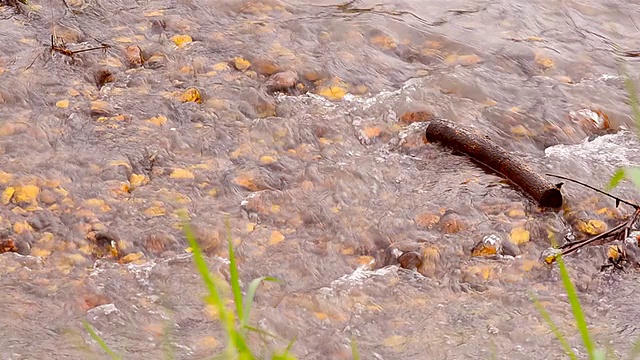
(320,181)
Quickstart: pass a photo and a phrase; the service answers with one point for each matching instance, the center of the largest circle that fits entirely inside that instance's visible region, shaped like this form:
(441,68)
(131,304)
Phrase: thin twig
(618,200)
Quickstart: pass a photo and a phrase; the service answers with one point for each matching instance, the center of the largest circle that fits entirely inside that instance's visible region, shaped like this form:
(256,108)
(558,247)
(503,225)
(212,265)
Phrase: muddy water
(318,180)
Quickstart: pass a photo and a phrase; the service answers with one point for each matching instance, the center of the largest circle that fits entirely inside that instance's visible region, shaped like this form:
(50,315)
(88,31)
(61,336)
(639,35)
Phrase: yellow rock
(46,237)
(154,13)
(384,42)
(120,163)
(186,69)
(155,211)
(516,213)
(131,257)
(191,95)
(19,211)
(7,194)
(265,160)
(347,251)
(111,61)
(394,341)
(490,102)
(534,39)
(246,182)
(5,177)
(181,174)
(372,131)
(221,67)
(544,62)
(333,93)
(138,180)
(98,203)
(520,130)
(451,59)
(241,63)
(212,192)
(209,342)
(321,316)
(181,40)
(592,227)
(124,40)
(468,59)
(21,227)
(73,92)
(158,120)
(519,235)
(251,227)
(63,104)
(39,252)
(26,194)
(276,237)
(99,107)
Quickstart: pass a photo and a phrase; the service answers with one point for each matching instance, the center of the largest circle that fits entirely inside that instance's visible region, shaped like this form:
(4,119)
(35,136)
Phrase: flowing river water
(302,123)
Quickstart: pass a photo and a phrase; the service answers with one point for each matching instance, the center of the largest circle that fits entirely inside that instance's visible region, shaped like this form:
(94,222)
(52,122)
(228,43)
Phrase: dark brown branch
(483,150)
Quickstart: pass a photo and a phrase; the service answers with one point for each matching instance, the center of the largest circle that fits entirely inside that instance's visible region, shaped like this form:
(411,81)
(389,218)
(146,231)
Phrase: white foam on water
(615,149)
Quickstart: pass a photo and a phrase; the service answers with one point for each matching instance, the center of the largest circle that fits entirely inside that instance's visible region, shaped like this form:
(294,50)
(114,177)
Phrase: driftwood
(486,152)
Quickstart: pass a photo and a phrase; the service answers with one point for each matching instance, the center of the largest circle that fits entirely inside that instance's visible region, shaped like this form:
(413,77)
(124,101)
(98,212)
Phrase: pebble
(282,81)
(133,55)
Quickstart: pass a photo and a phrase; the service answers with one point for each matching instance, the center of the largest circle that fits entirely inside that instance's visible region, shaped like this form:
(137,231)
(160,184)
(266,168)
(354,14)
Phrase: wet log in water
(488,153)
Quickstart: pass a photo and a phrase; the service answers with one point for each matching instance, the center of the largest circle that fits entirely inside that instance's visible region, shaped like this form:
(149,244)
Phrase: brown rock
(8,245)
(158,243)
(411,260)
(47,197)
(416,116)
(101,108)
(156,61)
(451,223)
(102,77)
(133,55)
(427,220)
(265,67)
(282,81)
(67,35)
(313,75)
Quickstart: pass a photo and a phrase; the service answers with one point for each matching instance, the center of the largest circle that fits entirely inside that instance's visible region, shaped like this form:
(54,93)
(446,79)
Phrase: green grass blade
(355,354)
(633,100)
(99,340)
(601,354)
(169,353)
(290,345)
(214,297)
(554,329)
(633,174)
(615,179)
(576,308)
(236,343)
(259,331)
(251,294)
(286,353)
(283,356)
(635,350)
(233,272)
